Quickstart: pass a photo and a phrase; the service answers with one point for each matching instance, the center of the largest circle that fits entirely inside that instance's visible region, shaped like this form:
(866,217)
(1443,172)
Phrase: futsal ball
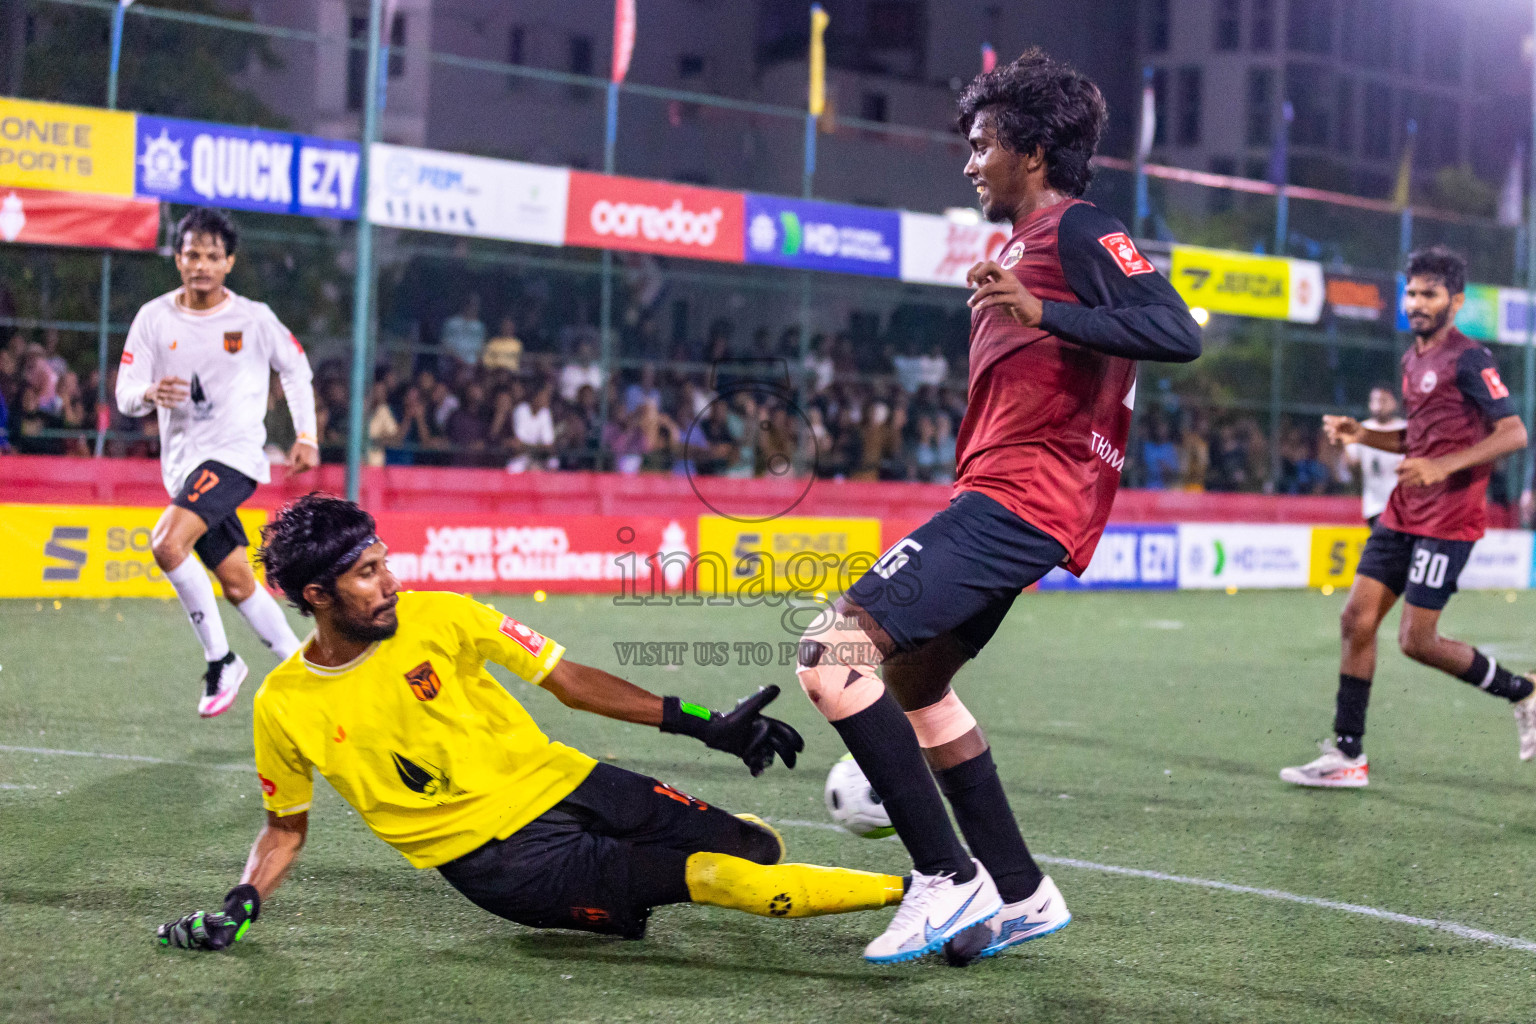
(853,803)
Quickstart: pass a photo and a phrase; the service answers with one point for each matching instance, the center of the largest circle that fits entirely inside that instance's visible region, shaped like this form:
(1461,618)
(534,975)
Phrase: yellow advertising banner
(1335,553)
(1238,284)
(793,555)
(86,551)
(66,149)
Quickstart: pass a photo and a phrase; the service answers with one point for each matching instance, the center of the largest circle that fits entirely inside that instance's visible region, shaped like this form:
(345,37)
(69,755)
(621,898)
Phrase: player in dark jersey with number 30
(1057,324)
(1460,419)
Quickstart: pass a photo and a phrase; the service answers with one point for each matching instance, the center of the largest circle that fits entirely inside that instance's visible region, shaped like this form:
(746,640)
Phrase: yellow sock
(787,890)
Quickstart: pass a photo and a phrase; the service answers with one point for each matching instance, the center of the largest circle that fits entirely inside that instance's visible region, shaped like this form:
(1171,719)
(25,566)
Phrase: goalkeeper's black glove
(744,730)
(216,929)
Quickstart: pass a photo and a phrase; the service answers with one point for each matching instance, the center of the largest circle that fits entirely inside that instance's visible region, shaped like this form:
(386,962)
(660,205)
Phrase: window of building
(872,106)
(1304,89)
(581,55)
(1376,117)
(517,52)
(690,65)
(1261,101)
(396,41)
(1309,26)
(1159,18)
(357,62)
(894,24)
(1228,25)
(1446,31)
(1344,117)
(1160,107)
(1404,40)
(1191,87)
(1261,29)
(1221,199)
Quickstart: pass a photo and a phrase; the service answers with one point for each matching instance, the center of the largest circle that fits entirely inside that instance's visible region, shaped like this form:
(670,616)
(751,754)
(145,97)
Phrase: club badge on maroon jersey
(1428,381)
(232,341)
(530,641)
(424,682)
(1012,256)
(1124,251)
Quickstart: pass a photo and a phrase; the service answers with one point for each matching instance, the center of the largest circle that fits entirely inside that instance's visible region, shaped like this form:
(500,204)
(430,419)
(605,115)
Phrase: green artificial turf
(1138,730)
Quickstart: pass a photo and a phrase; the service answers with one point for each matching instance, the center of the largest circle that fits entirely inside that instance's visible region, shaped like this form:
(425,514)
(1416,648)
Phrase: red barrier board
(499,554)
(69,218)
(608,212)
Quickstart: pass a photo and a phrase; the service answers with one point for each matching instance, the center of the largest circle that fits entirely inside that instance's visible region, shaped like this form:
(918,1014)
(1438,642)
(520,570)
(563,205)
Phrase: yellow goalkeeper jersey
(433,752)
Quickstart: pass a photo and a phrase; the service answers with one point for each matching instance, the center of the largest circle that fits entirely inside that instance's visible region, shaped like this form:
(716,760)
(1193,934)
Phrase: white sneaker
(1040,914)
(934,910)
(1333,770)
(1525,723)
(221,684)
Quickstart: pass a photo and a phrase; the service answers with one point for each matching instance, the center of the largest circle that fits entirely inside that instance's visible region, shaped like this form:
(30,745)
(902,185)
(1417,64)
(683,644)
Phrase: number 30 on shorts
(1428,569)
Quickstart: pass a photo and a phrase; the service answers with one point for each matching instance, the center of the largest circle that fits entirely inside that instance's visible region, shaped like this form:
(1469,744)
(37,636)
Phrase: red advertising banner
(72,218)
(608,212)
(486,553)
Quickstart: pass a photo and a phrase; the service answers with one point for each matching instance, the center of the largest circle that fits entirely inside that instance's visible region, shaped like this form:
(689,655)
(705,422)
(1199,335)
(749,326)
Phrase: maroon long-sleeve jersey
(1049,407)
(1453,395)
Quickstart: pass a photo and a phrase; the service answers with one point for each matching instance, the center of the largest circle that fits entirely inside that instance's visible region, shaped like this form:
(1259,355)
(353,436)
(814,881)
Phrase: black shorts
(213,492)
(1422,570)
(600,859)
(958,573)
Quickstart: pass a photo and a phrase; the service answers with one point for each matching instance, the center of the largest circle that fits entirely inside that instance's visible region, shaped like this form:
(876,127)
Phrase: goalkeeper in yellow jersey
(389,700)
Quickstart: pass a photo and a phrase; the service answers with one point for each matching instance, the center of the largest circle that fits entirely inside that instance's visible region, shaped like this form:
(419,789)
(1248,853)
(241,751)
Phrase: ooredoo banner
(245,168)
(429,190)
(1219,555)
(86,551)
(496,554)
(38,217)
(823,236)
(609,212)
(936,250)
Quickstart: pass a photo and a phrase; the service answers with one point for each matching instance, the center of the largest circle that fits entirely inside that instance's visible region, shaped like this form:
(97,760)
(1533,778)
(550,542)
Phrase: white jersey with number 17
(227,355)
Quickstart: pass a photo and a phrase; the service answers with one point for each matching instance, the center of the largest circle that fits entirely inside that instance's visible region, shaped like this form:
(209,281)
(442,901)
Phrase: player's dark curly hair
(204,220)
(1041,103)
(1441,262)
(305,543)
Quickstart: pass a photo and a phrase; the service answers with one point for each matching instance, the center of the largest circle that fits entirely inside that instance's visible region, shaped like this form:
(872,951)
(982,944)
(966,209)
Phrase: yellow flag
(819,19)
(1402,193)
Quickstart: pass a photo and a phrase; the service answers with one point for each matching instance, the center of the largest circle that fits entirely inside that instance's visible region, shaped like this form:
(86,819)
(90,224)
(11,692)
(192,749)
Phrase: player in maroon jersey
(1460,419)
(1057,324)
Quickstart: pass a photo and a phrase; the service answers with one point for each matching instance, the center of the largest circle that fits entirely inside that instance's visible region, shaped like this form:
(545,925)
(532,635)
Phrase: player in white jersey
(1378,469)
(201,357)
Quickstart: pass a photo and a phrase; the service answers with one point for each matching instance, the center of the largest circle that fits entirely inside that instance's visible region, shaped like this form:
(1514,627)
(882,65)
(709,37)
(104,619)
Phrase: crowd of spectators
(482,398)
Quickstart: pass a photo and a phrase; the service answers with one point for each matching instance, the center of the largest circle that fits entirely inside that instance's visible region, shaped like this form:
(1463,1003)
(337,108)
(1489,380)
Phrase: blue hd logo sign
(245,168)
(823,236)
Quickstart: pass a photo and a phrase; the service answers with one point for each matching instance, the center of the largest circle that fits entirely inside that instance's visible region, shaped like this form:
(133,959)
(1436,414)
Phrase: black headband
(346,561)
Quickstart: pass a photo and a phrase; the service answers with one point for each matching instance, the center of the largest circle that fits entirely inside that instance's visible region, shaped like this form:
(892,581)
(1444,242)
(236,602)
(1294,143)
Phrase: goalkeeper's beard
(365,630)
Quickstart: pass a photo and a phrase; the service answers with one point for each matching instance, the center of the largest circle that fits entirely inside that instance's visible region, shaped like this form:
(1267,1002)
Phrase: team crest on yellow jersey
(232,341)
(424,682)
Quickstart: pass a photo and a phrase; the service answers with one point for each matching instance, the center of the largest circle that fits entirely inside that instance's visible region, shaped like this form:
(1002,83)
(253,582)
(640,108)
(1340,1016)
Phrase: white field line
(1452,927)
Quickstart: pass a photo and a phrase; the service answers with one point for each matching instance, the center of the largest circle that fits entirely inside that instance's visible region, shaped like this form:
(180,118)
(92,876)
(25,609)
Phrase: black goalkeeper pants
(600,859)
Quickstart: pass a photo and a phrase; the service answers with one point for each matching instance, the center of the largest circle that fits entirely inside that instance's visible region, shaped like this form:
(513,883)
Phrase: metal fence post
(362,280)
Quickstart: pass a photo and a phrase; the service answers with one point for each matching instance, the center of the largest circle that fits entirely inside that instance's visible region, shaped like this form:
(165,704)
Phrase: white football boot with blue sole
(1032,918)
(935,909)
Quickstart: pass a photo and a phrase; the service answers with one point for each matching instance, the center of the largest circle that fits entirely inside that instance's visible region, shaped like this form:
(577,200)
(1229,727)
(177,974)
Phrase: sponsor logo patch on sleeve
(1496,388)
(295,339)
(127,358)
(1121,247)
(530,641)
(267,785)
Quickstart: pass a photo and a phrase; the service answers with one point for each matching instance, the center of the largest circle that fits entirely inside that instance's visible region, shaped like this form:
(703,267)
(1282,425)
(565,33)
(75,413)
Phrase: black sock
(1487,674)
(1349,713)
(976,794)
(881,740)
